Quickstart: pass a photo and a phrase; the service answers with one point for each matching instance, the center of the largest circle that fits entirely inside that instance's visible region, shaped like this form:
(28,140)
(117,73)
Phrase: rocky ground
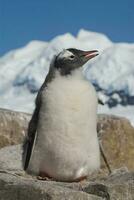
(117,136)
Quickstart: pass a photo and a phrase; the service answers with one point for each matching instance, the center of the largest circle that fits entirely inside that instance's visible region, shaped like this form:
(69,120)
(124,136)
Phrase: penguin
(62,140)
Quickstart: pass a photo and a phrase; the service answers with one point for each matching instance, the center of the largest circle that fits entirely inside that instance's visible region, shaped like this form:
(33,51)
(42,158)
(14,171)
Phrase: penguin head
(70,59)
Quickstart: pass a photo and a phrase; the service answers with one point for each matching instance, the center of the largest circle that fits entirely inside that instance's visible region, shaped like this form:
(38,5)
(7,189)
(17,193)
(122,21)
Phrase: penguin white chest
(67,138)
(70,95)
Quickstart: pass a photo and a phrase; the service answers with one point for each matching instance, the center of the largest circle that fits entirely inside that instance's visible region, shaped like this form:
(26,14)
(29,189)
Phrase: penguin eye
(72,56)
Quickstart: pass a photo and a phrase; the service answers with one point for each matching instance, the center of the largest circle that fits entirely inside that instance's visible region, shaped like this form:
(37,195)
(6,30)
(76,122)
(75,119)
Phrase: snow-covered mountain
(22,71)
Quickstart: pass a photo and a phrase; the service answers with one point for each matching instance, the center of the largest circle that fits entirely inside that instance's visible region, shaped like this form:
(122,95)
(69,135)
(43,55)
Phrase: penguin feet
(44,177)
(80,187)
(81,181)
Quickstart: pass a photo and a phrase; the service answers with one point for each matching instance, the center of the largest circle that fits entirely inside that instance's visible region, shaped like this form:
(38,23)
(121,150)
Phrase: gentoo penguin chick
(62,140)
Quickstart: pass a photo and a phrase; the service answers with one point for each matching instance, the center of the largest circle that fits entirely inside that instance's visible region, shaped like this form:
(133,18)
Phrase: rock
(15,184)
(22,188)
(13,126)
(118,186)
(117,135)
(131,100)
(112,102)
(11,158)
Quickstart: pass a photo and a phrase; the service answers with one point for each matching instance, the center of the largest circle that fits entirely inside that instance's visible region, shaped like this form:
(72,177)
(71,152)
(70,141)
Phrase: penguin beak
(89,54)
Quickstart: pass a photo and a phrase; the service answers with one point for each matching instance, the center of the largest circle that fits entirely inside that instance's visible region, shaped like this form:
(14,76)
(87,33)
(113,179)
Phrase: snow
(93,40)
(23,70)
(114,69)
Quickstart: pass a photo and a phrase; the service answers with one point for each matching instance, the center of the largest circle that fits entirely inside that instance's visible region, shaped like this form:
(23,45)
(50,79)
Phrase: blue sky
(24,20)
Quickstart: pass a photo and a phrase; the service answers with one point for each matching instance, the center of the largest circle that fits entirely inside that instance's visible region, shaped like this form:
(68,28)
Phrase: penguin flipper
(32,127)
(100,102)
(31,134)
